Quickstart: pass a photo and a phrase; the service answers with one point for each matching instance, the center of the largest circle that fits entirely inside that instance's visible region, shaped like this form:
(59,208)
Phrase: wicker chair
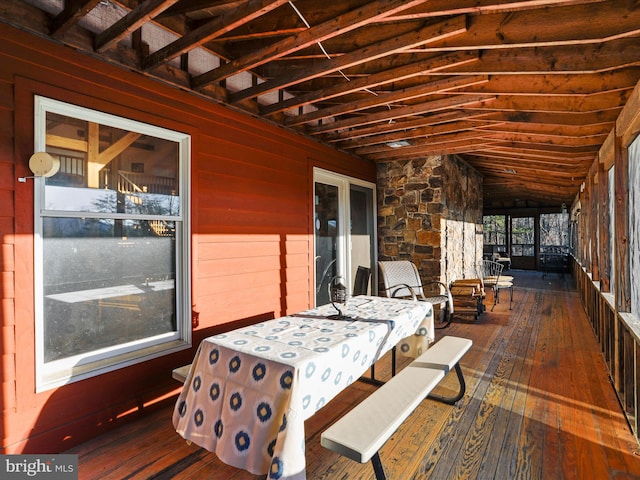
(402,280)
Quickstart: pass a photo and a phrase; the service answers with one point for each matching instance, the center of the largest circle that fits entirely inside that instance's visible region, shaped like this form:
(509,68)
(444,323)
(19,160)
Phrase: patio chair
(402,280)
(361,283)
(491,274)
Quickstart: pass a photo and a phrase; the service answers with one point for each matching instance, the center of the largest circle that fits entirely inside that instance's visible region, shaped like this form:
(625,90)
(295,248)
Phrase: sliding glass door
(344,230)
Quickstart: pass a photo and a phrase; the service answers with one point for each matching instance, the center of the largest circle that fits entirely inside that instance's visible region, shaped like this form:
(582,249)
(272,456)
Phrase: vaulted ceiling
(525,91)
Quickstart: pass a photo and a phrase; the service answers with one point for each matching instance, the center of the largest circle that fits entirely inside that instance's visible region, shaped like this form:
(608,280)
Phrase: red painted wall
(252,247)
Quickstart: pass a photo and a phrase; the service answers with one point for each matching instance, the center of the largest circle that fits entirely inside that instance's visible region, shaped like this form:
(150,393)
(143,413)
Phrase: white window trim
(68,370)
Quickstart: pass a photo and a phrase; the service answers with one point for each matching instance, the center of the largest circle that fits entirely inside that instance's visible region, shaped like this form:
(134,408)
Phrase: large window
(112,243)
(554,232)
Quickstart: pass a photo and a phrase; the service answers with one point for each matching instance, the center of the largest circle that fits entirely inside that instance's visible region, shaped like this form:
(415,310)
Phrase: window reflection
(107,289)
(108,223)
(104,169)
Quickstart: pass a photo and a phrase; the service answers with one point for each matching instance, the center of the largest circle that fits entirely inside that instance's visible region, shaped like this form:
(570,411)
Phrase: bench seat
(361,432)
(180,373)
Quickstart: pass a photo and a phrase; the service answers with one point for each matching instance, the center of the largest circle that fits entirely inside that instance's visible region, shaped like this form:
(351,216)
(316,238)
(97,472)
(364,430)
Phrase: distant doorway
(523,246)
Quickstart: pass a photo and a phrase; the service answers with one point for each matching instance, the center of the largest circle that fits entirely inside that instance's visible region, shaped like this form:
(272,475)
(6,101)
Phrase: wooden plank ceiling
(525,91)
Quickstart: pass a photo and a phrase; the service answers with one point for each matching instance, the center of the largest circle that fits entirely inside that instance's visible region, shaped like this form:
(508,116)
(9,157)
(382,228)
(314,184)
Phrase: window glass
(522,236)
(113,242)
(109,170)
(103,289)
(554,232)
(494,232)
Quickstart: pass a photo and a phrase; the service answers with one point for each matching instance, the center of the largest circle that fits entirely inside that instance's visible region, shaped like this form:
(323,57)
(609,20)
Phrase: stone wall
(430,212)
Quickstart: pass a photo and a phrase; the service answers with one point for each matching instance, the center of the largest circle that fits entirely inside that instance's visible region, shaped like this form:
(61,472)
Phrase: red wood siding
(252,243)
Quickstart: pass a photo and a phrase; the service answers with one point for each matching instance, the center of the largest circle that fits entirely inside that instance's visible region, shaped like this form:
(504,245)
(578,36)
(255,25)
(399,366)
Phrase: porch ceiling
(526,91)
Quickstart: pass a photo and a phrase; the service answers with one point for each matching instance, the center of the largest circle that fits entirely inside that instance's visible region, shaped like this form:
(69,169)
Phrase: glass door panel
(362,231)
(326,238)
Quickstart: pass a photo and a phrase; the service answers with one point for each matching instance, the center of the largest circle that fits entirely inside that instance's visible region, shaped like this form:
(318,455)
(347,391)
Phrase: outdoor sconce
(42,164)
(337,294)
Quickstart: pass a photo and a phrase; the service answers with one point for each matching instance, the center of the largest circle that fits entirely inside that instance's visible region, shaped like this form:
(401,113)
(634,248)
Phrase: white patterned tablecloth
(249,391)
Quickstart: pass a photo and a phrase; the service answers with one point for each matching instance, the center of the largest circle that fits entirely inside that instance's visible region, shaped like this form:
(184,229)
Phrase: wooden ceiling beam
(70,15)
(551,131)
(436,8)
(415,144)
(573,105)
(544,27)
(519,188)
(554,60)
(517,155)
(331,28)
(464,146)
(214,28)
(559,176)
(221,7)
(561,85)
(407,134)
(560,119)
(422,90)
(397,113)
(546,148)
(541,182)
(446,28)
(374,80)
(132,21)
(518,61)
(570,166)
(438,118)
(507,29)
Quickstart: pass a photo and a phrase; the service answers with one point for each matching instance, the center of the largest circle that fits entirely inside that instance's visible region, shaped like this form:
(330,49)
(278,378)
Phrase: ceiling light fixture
(398,144)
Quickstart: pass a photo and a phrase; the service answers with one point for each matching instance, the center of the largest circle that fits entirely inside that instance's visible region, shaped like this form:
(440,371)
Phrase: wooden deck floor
(539,405)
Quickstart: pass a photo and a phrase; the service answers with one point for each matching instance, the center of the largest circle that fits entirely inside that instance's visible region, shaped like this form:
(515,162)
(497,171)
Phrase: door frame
(524,262)
(343,247)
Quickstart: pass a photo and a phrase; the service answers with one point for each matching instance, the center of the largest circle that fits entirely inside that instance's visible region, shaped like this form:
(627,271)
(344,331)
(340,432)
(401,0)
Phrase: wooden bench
(361,433)
(180,373)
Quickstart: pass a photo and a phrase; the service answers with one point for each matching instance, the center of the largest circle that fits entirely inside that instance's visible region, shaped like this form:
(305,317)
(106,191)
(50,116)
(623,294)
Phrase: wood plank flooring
(539,405)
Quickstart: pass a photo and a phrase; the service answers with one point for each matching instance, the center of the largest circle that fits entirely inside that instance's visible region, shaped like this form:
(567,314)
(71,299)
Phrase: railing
(619,338)
(132,182)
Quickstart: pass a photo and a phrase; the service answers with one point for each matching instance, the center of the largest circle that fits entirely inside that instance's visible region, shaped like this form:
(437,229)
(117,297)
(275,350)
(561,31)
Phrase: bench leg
(461,392)
(372,380)
(377,467)
(496,298)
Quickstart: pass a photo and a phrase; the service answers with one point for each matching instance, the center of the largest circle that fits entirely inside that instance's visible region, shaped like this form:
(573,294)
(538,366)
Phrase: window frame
(89,364)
